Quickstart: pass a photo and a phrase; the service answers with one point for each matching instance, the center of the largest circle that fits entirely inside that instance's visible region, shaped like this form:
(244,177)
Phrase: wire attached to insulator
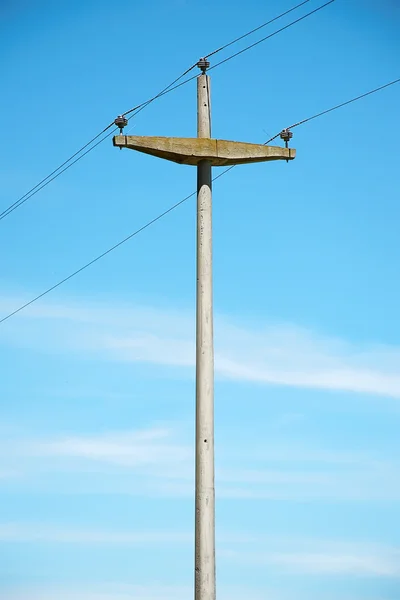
(121,122)
(286,135)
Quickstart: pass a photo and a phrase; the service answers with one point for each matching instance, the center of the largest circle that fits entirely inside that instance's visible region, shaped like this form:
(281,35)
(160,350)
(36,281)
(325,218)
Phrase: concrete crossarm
(190,151)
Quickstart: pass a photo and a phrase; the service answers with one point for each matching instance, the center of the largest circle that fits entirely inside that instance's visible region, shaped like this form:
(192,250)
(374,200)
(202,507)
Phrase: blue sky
(97,379)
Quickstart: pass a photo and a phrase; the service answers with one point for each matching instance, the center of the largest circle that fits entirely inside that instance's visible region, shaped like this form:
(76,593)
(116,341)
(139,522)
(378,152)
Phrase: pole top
(203,64)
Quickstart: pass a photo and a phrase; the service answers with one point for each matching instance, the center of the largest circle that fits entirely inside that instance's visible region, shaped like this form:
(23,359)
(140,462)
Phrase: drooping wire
(136,109)
(68,164)
(267,37)
(39,185)
(173,87)
(99,257)
(241,37)
(325,112)
(109,250)
(170,87)
(174,206)
(49,179)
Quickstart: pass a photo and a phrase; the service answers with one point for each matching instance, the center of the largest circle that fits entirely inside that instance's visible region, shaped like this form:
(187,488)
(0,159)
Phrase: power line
(272,34)
(60,170)
(174,206)
(238,39)
(137,109)
(100,256)
(103,254)
(174,87)
(49,179)
(169,88)
(11,207)
(325,112)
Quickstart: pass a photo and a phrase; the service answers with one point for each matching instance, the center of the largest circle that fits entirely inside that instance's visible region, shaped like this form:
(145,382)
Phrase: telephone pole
(203,152)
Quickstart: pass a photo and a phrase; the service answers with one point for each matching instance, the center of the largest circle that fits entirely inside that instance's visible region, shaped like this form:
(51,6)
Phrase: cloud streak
(320,560)
(119,591)
(162,462)
(282,354)
(129,449)
(301,556)
(17,532)
(96,592)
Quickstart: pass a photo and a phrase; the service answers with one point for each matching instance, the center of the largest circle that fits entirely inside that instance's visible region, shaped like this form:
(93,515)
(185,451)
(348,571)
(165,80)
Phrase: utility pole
(204,493)
(203,152)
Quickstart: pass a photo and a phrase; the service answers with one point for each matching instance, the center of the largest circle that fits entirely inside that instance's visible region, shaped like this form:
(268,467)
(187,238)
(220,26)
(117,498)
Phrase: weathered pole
(204,490)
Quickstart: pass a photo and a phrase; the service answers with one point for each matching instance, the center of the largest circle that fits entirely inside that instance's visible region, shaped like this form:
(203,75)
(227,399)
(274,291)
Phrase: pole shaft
(204,493)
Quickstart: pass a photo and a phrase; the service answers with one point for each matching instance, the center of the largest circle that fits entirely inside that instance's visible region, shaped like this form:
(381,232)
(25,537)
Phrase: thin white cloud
(340,564)
(162,461)
(8,474)
(306,557)
(280,354)
(130,449)
(137,592)
(323,558)
(129,592)
(17,532)
(96,592)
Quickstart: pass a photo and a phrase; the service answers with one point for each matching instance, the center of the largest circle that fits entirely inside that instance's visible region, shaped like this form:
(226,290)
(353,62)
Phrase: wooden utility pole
(204,152)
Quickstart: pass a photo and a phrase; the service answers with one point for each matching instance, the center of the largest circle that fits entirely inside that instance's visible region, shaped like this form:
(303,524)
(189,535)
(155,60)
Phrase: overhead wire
(177,204)
(172,86)
(267,37)
(178,85)
(325,112)
(45,182)
(99,257)
(109,250)
(60,170)
(241,37)
(140,107)
(11,207)
(137,109)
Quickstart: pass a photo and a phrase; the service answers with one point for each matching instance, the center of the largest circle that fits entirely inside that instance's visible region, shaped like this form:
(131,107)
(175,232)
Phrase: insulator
(121,122)
(286,135)
(203,64)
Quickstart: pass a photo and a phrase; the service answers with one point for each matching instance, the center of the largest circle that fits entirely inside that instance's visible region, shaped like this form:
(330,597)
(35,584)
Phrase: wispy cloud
(162,460)
(8,474)
(285,554)
(119,591)
(137,592)
(308,557)
(280,354)
(17,532)
(340,564)
(96,592)
(153,446)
